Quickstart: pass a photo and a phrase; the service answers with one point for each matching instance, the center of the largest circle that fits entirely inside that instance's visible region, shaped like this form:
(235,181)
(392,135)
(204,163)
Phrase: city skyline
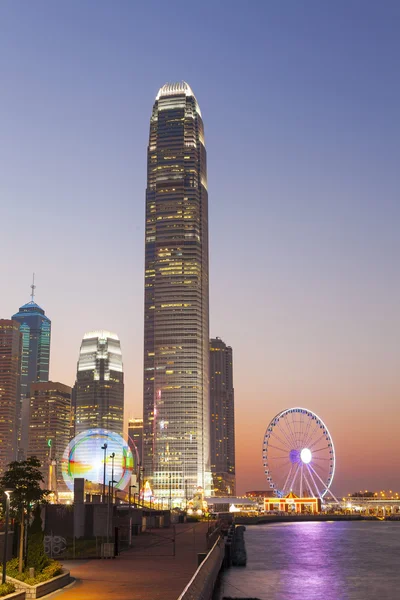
(304,209)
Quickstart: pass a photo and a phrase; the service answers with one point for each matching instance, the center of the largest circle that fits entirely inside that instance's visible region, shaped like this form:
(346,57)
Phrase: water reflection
(318,561)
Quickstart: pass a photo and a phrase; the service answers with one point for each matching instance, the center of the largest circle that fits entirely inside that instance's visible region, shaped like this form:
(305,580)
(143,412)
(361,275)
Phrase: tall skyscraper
(36,332)
(49,423)
(222,401)
(98,399)
(135,439)
(176,323)
(10,381)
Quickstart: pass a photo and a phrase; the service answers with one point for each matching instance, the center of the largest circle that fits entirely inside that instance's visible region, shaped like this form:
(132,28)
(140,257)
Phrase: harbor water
(318,561)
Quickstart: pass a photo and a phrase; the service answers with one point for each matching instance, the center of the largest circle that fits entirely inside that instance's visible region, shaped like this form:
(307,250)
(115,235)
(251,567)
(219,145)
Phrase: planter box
(14,596)
(40,589)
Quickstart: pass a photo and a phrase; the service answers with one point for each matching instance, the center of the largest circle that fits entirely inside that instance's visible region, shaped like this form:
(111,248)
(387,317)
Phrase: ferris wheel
(298,454)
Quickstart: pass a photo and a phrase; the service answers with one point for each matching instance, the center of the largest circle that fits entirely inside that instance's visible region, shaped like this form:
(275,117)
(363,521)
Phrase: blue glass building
(36,332)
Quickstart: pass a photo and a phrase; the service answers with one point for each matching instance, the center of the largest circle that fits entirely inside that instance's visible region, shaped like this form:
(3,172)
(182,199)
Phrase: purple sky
(301,110)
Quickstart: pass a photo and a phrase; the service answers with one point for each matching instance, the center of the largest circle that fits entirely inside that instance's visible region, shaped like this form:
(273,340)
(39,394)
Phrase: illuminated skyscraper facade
(135,439)
(10,381)
(176,344)
(36,333)
(49,422)
(222,407)
(98,398)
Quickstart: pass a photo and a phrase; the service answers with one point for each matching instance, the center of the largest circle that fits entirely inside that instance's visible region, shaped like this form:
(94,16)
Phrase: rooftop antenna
(33,286)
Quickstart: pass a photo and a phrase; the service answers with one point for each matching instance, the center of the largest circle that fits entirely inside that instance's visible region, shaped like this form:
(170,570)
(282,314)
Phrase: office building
(36,333)
(10,381)
(49,423)
(135,439)
(98,398)
(176,443)
(222,402)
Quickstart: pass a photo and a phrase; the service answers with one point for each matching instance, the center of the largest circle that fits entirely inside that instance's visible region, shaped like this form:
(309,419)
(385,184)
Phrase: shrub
(6,588)
(52,569)
(12,567)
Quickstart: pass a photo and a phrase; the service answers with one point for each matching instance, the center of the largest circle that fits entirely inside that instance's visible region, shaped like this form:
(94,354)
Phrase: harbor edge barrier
(202,584)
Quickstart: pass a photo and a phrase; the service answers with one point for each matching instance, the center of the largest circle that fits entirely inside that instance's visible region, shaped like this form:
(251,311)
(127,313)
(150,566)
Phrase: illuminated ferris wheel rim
(302,455)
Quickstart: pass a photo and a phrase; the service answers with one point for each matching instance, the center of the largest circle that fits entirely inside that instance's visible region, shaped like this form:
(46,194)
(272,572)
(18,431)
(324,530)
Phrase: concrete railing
(202,584)
(212,536)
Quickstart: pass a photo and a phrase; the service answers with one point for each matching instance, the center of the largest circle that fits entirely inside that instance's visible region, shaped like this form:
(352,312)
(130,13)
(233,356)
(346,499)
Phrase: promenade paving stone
(147,571)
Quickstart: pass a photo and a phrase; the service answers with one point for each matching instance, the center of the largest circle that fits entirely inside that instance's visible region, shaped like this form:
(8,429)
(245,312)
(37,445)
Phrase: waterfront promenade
(147,570)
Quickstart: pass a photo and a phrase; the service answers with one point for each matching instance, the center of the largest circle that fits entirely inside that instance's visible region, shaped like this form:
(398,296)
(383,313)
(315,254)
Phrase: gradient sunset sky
(300,102)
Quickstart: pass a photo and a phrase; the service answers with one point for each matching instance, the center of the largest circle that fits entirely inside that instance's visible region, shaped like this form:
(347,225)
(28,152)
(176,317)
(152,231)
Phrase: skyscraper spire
(33,287)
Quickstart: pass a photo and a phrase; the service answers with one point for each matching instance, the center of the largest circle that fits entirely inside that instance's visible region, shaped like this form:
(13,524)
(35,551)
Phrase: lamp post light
(7,493)
(104,471)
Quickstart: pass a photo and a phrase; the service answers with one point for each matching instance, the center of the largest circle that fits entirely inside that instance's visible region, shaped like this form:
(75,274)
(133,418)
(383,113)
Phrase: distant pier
(295,518)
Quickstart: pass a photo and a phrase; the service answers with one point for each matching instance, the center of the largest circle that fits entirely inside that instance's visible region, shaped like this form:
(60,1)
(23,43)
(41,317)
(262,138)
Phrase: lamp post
(130,516)
(140,472)
(110,483)
(7,493)
(104,471)
(170,490)
(112,456)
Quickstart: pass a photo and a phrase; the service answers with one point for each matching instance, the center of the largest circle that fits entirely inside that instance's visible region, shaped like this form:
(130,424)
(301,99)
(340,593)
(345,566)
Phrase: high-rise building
(98,399)
(36,332)
(135,438)
(222,403)
(49,423)
(176,442)
(10,381)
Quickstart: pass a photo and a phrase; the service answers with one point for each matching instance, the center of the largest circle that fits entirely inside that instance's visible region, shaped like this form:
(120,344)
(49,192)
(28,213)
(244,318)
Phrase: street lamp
(140,471)
(112,456)
(104,472)
(130,516)
(186,499)
(7,493)
(110,483)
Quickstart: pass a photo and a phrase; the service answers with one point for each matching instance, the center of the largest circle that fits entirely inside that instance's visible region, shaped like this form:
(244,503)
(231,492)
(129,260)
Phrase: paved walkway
(148,571)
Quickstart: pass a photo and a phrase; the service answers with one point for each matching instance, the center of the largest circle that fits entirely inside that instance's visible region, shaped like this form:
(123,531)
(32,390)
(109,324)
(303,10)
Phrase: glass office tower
(98,398)
(176,442)
(10,397)
(49,422)
(36,332)
(222,406)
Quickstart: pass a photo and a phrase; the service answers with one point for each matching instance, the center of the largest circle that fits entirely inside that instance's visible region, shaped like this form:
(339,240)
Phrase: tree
(24,478)
(36,556)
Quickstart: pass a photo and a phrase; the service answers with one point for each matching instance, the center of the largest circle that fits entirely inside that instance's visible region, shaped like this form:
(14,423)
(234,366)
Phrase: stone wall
(41,589)
(14,596)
